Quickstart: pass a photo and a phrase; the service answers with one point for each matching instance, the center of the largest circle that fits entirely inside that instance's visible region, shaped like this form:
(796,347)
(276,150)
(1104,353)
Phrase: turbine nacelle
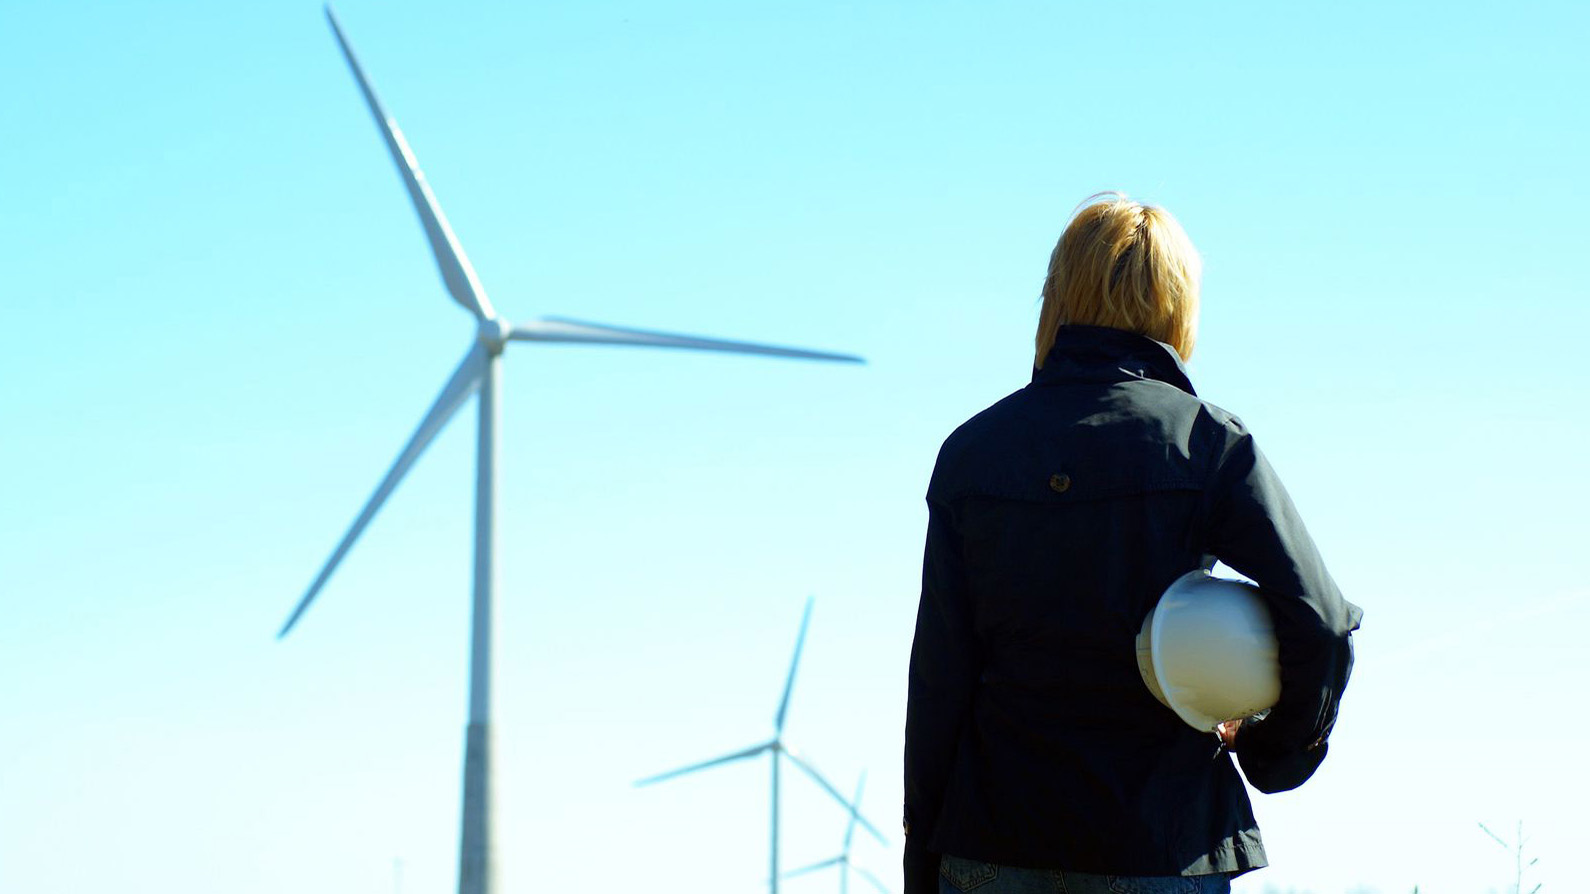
(493,334)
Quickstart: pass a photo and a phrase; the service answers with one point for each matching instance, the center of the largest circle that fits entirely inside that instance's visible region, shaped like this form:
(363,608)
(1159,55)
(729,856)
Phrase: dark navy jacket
(1056,518)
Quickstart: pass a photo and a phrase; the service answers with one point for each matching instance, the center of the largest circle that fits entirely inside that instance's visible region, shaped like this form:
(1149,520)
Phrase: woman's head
(1124,265)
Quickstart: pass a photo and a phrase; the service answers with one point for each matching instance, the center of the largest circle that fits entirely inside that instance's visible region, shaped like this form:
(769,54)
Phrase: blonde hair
(1125,265)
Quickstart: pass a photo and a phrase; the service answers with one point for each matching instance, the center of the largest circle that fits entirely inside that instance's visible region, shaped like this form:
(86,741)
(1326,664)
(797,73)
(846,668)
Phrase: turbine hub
(493,334)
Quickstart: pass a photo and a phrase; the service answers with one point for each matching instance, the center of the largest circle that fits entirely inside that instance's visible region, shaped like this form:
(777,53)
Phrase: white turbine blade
(727,758)
(828,787)
(457,274)
(559,329)
(789,682)
(850,827)
(831,861)
(458,389)
(871,878)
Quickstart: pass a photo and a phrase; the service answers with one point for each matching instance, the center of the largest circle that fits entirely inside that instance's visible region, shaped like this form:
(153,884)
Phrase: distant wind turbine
(843,860)
(779,749)
(478,373)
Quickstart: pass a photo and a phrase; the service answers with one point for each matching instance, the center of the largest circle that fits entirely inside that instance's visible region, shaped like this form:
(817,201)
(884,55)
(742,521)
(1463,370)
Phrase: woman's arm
(943,677)
(1256,530)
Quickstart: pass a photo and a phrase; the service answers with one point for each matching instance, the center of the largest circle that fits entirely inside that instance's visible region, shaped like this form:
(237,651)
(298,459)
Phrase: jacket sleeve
(1256,530)
(943,677)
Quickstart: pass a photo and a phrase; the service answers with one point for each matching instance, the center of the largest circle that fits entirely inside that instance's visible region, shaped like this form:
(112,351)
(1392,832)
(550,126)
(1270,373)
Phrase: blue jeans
(961,876)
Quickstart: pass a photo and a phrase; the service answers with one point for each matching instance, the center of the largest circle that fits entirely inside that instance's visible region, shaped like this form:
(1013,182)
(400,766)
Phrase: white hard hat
(1208,651)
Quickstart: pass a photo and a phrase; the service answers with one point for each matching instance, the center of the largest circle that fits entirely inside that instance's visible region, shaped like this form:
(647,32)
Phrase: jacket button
(1060,483)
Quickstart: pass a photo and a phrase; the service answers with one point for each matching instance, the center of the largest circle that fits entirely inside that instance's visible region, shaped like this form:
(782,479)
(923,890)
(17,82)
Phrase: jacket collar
(1102,354)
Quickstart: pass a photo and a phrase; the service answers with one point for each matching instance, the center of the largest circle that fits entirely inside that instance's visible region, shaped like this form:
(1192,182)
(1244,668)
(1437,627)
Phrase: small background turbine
(843,859)
(779,749)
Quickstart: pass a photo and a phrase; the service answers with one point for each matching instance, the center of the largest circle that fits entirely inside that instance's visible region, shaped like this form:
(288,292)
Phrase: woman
(1036,758)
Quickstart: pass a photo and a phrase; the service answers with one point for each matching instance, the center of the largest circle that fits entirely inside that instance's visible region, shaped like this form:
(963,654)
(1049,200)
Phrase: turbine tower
(843,860)
(478,373)
(780,750)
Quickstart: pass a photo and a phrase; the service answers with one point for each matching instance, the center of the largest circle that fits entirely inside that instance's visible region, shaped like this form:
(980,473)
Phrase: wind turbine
(843,860)
(478,374)
(779,750)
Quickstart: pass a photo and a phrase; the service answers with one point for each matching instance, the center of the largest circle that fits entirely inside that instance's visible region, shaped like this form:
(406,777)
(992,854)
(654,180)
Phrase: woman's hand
(1227,731)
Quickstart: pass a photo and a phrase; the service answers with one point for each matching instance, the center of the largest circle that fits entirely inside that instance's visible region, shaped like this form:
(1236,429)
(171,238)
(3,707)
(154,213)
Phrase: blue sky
(220,323)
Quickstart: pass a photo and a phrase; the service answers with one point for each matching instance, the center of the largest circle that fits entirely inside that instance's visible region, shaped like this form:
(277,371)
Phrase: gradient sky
(220,322)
